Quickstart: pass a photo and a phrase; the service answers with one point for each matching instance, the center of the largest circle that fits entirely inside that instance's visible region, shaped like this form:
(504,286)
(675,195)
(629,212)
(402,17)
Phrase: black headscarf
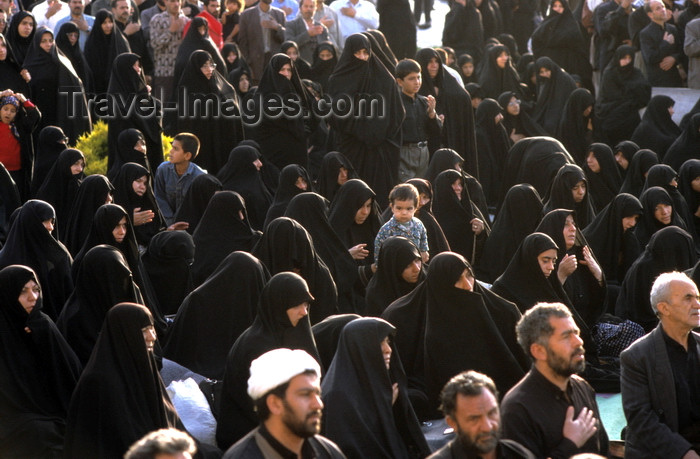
(627,148)
(30,244)
(126,83)
(648,224)
(615,248)
(561,197)
(606,183)
(573,126)
(690,170)
(52,141)
(38,372)
(74,53)
(463,30)
(197,199)
(93,192)
(518,216)
(302,67)
(321,70)
(552,94)
(370,143)
(241,175)
(493,144)
(218,129)
(221,309)
(522,123)
(330,168)
(10,77)
(461,61)
(125,196)
(271,329)
(235,77)
(104,281)
(101,50)
(196,41)
(120,396)
(61,186)
(437,242)
(495,80)
(639,166)
(669,249)
(220,232)
(364,423)
(657,131)
(19,45)
(387,284)
(238,63)
(286,190)
(662,175)
(127,153)
(327,334)
(287,246)
(686,146)
(167,262)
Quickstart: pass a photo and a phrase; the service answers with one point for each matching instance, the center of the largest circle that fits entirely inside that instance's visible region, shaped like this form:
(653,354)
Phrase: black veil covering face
(321,70)
(552,94)
(363,422)
(30,243)
(606,182)
(104,281)
(311,211)
(453,101)
(56,89)
(10,77)
(686,146)
(669,249)
(221,309)
(615,248)
(489,334)
(649,224)
(128,84)
(214,124)
(167,262)
(639,166)
(74,53)
(220,232)
(573,127)
(19,45)
(286,190)
(51,142)
(126,152)
(493,144)
(38,372)
(370,143)
(657,130)
(387,284)
(518,216)
(120,396)
(125,196)
(101,50)
(561,196)
(197,199)
(287,246)
(241,175)
(331,166)
(94,191)
(271,329)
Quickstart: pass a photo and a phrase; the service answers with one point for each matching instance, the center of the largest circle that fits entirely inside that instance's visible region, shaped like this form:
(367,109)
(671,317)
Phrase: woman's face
(362,54)
(625,60)
(465,281)
(592,162)
(342,175)
(107,26)
(579,191)
(286,71)
(502,60)
(109,199)
(139,185)
(77,167)
(468,69)
(140,146)
(433,67)
(244,83)
(386,352)
(671,110)
(546,260)
(695,184)
(48,224)
(119,231)
(588,111)
(411,273)
(301,184)
(363,212)
(293,53)
(673,182)
(663,213)
(325,55)
(137,67)
(208,69)
(569,232)
(558,7)
(3,50)
(29,295)
(498,118)
(423,200)
(544,72)
(231,57)
(513,107)
(629,222)
(25,27)
(46,42)
(72,38)
(202,30)
(458,188)
(621,160)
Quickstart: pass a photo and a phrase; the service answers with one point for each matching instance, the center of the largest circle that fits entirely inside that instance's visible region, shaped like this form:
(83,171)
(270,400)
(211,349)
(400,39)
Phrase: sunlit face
(468,69)
(301,184)
(149,336)
(77,167)
(592,162)
(363,212)
(671,110)
(544,72)
(25,27)
(629,222)
(244,83)
(48,224)
(140,146)
(411,273)
(231,57)
(76,7)
(298,312)
(121,11)
(403,210)
(386,352)
(569,232)
(565,353)
(682,306)
(625,60)
(119,231)
(579,191)
(72,38)
(325,55)
(663,213)
(107,26)
(8,113)
(3,50)
(213,8)
(208,69)
(476,421)
(546,260)
(433,67)
(307,9)
(139,185)
(621,160)
(502,60)
(457,187)
(465,281)
(658,11)
(46,42)
(30,294)
(137,67)
(202,30)
(302,406)
(362,54)
(558,7)
(292,52)
(513,107)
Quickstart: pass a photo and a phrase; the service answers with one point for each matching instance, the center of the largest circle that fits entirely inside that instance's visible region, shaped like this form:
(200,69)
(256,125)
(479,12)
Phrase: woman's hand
(359,252)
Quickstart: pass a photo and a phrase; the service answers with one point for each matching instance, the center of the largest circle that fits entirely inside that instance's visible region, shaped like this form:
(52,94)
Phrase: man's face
(121,11)
(302,406)
(307,9)
(172,6)
(477,422)
(682,308)
(658,11)
(213,8)
(565,353)
(3,21)
(76,7)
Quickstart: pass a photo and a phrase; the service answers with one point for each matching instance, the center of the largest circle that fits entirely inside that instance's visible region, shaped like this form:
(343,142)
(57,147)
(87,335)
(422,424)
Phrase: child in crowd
(18,119)
(403,201)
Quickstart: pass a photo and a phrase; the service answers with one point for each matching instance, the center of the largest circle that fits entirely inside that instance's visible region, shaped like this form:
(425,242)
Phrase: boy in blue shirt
(403,201)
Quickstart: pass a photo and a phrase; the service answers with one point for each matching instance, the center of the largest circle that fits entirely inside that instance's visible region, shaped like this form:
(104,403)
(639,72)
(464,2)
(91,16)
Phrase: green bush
(94,147)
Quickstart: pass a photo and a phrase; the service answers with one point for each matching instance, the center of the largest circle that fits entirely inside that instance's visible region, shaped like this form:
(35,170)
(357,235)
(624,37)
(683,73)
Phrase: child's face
(177,154)
(410,84)
(8,113)
(231,7)
(403,210)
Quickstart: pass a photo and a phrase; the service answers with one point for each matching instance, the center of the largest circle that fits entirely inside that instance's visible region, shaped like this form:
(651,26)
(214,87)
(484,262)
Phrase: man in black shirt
(661,47)
(552,411)
(660,377)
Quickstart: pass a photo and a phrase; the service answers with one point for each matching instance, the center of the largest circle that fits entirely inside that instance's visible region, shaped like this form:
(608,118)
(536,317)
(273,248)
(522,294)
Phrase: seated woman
(554,86)
(658,212)
(293,180)
(131,148)
(370,423)
(602,174)
(689,187)
(663,175)
(336,169)
(196,200)
(493,144)
(657,130)
(39,370)
(437,242)
(95,191)
(570,191)
(518,123)
(637,171)
(576,125)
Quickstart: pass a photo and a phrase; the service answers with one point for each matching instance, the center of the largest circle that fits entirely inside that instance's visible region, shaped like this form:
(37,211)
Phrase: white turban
(277,367)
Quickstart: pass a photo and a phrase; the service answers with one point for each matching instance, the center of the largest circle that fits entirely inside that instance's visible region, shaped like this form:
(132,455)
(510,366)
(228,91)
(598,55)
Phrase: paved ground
(433,36)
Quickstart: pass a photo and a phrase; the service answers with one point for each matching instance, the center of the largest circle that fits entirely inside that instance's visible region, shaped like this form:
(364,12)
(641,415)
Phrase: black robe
(437,242)
(642,161)
(61,187)
(196,41)
(104,281)
(689,171)
(9,202)
(221,232)
(662,175)
(125,196)
(648,224)
(398,25)
(561,197)
(270,330)
(221,309)
(493,144)
(10,77)
(38,372)
(327,334)
(19,45)
(686,146)
(552,94)
(522,123)
(302,67)
(328,182)
(93,192)
(573,129)
(657,131)
(364,423)
(605,184)
(321,70)
(464,31)
(126,152)
(495,80)
(197,199)
(101,50)
(627,149)
(286,190)
(51,142)
(74,53)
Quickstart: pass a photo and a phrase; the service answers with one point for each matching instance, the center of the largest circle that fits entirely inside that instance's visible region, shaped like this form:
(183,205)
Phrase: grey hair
(534,327)
(661,288)
(163,441)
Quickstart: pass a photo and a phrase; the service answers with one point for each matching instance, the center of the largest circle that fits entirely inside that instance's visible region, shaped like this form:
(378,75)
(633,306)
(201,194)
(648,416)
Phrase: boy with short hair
(421,124)
(174,178)
(403,201)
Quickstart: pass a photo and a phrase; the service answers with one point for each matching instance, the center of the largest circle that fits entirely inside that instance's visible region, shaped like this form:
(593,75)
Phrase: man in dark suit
(660,376)
(306,32)
(661,47)
(260,35)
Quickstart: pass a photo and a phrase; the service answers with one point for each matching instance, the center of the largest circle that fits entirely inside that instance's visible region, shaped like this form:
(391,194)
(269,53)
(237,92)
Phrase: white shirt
(366,17)
(40,10)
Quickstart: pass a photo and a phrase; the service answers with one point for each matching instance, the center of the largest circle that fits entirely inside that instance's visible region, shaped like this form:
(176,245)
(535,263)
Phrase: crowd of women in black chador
(537,190)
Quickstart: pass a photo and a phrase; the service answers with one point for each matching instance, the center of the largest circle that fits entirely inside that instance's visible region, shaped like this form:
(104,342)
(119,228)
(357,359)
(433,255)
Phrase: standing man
(285,386)
(82,20)
(326,16)
(552,411)
(470,403)
(49,12)
(660,376)
(354,16)
(121,9)
(166,35)
(260,35)
(305,31)
(661,47)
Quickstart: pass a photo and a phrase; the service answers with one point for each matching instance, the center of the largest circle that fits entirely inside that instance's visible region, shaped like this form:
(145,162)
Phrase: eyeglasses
(514,103)
(209,65)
